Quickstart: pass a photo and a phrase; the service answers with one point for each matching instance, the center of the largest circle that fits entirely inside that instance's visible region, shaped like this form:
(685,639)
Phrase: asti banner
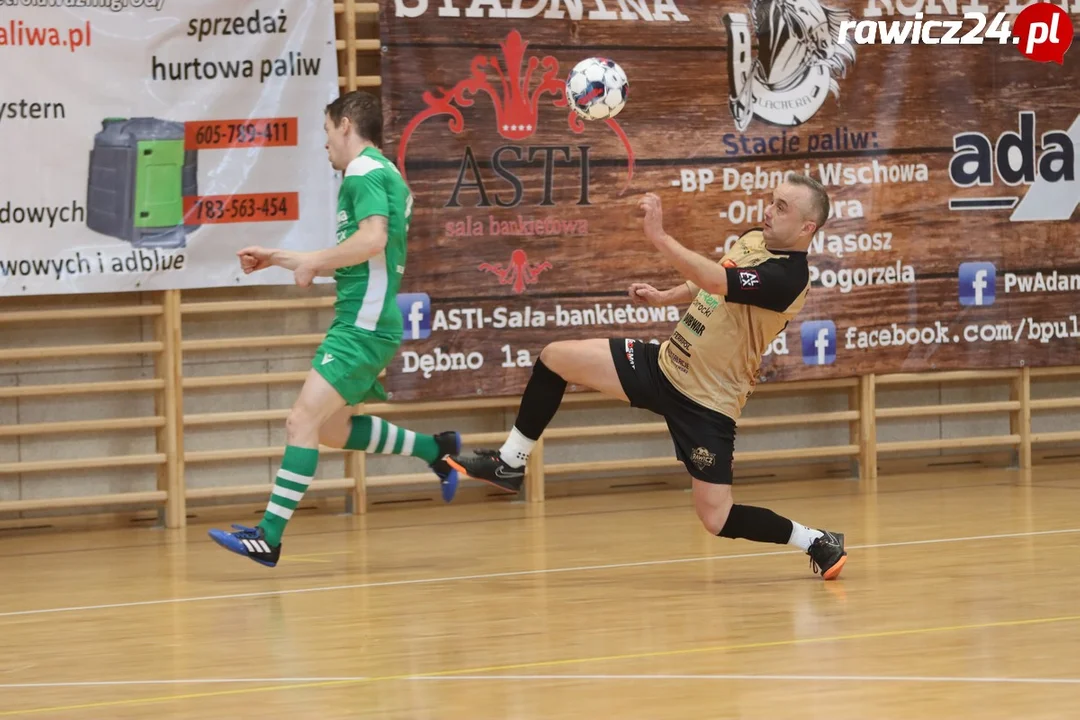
(144,142)
(953,240)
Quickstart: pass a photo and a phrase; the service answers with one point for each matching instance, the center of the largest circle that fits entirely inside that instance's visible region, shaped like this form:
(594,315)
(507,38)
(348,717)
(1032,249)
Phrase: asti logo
(978,282)
(517,104)
(1046,162)
(818,342)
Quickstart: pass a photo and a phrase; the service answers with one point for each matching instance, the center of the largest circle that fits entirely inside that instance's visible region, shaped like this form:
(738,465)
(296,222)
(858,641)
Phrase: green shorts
(351,360)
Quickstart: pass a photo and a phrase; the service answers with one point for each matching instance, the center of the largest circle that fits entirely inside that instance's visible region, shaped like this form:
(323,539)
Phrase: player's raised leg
(375,435)
(318,401)
(580,362)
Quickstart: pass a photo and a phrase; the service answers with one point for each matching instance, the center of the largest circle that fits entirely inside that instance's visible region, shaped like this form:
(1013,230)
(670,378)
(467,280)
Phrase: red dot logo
(1043,32)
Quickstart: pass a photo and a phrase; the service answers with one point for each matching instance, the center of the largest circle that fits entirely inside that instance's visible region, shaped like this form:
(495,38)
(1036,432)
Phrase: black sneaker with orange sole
(488,466)
(827,555)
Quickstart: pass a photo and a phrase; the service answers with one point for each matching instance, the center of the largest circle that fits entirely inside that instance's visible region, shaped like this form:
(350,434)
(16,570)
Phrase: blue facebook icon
(819,342)
(416,310)
(977,281)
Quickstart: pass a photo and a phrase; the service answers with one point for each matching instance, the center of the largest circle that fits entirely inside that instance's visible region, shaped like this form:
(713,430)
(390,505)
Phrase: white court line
(514,573)
(786,678)
(488,678)
(192,681)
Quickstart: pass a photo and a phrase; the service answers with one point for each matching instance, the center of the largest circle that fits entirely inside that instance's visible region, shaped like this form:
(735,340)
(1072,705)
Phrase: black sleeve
(773,285)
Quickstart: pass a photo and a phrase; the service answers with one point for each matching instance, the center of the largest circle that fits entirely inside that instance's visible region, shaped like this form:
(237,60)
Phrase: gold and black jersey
(714,354)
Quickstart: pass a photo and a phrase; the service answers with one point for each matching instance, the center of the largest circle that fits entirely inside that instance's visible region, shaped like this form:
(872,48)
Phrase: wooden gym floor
(960,599)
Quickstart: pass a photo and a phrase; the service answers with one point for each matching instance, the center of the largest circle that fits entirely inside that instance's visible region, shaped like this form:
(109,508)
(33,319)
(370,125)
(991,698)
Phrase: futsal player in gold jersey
(700,377)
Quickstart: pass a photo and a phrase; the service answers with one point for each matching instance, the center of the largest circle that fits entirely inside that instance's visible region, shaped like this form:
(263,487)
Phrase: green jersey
(366,293)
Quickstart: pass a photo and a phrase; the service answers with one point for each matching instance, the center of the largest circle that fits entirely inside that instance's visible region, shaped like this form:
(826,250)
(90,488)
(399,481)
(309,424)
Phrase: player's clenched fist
(254,258)
(645,294)
(654,217)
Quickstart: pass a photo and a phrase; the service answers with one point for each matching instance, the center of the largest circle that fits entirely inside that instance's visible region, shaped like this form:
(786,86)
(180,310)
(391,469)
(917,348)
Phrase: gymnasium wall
(942,180)
(70,483)
(361,67)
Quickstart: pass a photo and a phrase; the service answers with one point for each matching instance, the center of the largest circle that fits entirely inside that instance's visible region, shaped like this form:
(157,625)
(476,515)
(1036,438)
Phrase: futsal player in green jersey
(368,260)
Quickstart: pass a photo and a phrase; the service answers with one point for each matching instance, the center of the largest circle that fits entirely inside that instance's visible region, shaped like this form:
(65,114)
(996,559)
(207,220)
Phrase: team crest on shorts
(702,458)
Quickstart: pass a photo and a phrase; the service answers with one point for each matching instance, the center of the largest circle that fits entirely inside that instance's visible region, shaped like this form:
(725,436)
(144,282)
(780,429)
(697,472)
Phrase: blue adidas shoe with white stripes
(249,542)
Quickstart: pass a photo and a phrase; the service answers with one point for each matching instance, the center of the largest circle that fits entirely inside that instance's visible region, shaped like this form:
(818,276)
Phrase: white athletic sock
(801,537)
(515,451)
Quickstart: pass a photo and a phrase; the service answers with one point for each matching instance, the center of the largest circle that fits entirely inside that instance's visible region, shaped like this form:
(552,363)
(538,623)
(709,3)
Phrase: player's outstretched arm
(645,294)
(367,242)
(700,271)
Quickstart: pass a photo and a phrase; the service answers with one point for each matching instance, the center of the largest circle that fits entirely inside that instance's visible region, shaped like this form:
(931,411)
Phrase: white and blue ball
(597,88)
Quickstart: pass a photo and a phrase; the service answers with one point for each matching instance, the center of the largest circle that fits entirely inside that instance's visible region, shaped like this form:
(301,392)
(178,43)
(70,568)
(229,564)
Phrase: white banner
(144,142)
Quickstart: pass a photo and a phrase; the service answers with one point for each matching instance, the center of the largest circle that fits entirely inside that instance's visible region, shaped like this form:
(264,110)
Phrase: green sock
(375,435)
(294,477)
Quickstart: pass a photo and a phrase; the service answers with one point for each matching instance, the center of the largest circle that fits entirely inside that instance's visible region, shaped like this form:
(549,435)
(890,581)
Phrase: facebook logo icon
(977,283)
(416,310)
(819,342)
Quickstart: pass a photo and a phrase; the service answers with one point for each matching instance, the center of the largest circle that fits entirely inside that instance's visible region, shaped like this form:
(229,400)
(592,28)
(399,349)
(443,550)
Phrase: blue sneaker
(449,444)
(249,542)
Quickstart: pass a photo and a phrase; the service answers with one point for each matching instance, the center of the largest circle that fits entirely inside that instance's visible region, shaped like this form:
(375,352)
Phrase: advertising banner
(953,240)
(144,142)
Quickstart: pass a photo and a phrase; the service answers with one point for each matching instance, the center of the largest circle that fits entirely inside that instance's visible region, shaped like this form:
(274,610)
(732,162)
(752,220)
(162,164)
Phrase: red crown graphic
(517,110)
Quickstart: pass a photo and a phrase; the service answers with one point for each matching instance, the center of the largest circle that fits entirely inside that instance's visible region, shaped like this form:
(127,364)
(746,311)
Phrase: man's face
(336,146)
(787,215)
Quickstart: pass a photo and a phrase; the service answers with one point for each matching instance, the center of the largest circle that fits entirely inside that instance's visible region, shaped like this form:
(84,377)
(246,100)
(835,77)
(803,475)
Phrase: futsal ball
(597,88)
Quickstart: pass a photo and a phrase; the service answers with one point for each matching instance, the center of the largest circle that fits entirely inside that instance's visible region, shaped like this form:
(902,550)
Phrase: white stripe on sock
(391,438)
(294,477)
(410,440)
(288,494)
(282,512)
(376,432)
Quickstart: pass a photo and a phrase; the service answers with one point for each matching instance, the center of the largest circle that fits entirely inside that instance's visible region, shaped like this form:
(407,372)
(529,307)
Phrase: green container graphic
(139,175)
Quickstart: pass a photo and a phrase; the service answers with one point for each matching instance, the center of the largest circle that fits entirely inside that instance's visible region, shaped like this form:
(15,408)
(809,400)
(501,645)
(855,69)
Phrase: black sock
(540,401)
(756,524)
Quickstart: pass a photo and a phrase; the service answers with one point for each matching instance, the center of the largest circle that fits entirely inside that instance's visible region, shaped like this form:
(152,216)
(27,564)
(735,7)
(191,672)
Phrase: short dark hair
(363,110)
(819,196)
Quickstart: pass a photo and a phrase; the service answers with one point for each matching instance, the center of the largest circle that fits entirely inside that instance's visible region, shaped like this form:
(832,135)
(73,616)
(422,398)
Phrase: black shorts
(704,438)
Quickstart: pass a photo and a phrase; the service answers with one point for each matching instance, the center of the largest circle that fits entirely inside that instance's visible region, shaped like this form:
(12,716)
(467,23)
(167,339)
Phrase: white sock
(515,451)
(801,537)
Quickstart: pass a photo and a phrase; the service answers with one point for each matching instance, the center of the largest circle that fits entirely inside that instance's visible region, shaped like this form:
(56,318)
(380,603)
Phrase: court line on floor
(780,678)
(285,681)
(551,514)
(191,681)
(469,672)
(514,573)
